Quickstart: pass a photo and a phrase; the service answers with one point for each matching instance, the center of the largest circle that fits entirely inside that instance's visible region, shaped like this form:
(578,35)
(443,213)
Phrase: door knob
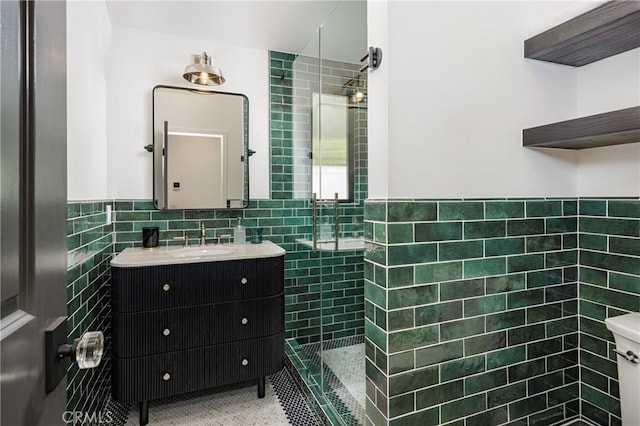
(86,351)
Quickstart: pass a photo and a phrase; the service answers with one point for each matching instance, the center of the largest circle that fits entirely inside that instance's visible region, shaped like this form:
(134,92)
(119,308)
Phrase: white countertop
(137,256)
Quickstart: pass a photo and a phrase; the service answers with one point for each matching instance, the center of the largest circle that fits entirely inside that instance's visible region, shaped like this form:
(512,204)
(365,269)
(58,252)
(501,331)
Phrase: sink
(136,256)
(201,252)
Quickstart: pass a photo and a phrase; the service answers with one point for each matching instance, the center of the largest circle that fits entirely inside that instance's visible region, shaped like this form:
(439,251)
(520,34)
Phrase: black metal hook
(375,59)
(250,152)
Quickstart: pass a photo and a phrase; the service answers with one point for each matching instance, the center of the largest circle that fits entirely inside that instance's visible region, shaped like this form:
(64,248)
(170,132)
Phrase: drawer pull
(166,287)
(166,332)
(166,377)
(243,280)
(245,362)
(245,321)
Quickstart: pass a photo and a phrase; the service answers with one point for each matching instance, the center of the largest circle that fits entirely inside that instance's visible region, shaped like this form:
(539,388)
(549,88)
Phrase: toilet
(626,331)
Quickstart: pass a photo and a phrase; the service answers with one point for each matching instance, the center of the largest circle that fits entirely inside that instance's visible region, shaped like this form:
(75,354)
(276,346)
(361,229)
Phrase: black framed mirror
(200,149)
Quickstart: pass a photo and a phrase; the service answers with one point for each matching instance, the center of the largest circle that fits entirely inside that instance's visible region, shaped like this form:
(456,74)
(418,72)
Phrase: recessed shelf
(607,30)
(609,128)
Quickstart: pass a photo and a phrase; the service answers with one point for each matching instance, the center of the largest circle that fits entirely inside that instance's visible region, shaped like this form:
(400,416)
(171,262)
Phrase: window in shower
(332,154)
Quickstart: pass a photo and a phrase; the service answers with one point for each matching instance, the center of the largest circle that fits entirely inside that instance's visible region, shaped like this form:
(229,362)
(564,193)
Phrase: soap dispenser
(239,233)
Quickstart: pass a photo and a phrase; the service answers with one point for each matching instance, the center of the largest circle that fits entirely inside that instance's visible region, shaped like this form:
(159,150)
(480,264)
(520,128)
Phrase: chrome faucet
(203,234)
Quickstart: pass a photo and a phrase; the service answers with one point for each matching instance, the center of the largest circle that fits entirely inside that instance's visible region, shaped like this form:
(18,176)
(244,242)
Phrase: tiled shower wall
(609,273)
(293,80)
(472,310)
(281,124)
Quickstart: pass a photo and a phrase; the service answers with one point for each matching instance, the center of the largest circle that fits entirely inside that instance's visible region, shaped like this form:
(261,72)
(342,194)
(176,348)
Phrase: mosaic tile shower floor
(344,372)
(230,405)
(348,365)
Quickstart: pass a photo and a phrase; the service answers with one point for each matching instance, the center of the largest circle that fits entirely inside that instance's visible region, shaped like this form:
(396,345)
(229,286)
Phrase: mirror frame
(158,151)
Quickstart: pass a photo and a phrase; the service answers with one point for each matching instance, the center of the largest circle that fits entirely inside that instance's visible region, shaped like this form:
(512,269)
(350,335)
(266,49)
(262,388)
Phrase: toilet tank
(627,328)
(626,332)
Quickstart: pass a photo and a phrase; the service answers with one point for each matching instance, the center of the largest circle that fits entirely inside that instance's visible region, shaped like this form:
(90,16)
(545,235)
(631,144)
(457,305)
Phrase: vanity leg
(144,412)
(261,382)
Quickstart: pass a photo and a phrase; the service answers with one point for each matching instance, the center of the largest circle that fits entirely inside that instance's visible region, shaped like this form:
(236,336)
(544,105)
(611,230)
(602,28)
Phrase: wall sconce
(202,72)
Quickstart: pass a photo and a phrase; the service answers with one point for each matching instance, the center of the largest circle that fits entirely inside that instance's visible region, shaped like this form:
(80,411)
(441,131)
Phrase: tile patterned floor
(230,405)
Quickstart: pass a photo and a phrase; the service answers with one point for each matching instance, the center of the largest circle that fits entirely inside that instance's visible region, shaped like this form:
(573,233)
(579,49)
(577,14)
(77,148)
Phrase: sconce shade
(202,72)
(358,96)
(355,91)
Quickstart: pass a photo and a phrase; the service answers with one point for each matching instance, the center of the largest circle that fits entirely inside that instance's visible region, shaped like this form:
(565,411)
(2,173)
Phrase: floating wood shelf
(607,30)
(610,128)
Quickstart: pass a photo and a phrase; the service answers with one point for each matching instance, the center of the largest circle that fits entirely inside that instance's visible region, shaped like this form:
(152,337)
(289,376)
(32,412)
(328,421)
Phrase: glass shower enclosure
(330,170)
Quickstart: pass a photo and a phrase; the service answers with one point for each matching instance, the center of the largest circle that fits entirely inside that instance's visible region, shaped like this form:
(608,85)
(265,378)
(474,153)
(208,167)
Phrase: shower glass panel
(337,151)
(330,156)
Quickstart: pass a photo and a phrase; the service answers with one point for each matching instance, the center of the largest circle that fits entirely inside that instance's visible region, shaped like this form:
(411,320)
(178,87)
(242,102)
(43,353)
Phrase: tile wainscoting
(482,312)
(89,250)
(609,272)
(282,222)
(92,243)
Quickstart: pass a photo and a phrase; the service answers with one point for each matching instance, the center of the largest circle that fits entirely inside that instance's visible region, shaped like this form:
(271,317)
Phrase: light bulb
(204,77)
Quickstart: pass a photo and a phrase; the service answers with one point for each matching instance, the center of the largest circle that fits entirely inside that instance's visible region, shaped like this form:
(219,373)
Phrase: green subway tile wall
(294,79)
(471,311)
(92,243)
(502,323)
(609,241)
(282,222)
(281,124)
(484,312)
(89,249)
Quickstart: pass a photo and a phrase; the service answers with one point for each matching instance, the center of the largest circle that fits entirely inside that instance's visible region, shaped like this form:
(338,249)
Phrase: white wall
(607,85)
(446,108)
(460,92)
(377,104)
(87,49)
(139,61)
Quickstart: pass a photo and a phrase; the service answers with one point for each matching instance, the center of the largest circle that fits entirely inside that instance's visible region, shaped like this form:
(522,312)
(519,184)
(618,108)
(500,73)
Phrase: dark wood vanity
(185,327)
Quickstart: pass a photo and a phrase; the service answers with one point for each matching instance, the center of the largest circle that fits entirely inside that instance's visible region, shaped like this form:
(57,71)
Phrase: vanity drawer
(154,332)
(159,376)
(147,288)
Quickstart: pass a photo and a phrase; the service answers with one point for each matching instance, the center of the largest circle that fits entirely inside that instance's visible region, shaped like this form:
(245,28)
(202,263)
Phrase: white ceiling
(285,26)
